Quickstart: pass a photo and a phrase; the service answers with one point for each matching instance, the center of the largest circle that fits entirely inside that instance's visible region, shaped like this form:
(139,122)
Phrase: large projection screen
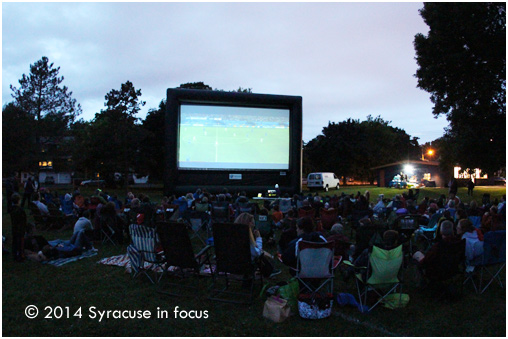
(233,137)
(239,141)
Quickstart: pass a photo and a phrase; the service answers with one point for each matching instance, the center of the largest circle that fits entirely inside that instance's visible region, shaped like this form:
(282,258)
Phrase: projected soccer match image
(233,137)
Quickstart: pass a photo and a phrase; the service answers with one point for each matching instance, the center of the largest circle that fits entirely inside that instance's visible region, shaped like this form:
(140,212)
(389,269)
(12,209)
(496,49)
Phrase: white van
(324,180)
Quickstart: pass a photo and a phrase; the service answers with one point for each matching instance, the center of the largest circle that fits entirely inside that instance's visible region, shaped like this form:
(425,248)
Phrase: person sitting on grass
(36,201)
(256,246)
(83,223)
(305,230)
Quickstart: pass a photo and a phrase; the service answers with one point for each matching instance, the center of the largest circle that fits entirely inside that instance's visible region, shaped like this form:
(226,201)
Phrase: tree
(125,100)
(462,64)
(351,148)
(152,146)
(42,96)
(110,142)
(18,148)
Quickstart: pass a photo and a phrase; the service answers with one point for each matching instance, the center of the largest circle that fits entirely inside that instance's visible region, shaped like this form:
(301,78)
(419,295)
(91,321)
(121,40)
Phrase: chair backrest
(220,211)
(196,219)
(303,212)
(244,207)
(263,224)
(315,259)
(494,247)
(202,207)
(285,205)
(328,217)
(475,220)
(175,241)
(144,239)
(232,248)
(385,265)
(448,262)
(433,220)
(407,222)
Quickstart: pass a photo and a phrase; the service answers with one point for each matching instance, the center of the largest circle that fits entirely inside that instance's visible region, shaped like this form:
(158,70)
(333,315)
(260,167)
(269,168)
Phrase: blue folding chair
(492,261)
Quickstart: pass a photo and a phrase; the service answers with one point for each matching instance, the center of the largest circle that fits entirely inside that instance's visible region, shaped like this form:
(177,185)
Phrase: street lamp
(430,153)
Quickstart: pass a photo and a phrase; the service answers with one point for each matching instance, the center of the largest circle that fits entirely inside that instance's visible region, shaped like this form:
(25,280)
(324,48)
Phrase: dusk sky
(346,60)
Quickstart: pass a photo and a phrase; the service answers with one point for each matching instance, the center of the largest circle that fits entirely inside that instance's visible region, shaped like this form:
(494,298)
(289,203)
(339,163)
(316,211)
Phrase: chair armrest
(204,250)
(349,263)
(336,261)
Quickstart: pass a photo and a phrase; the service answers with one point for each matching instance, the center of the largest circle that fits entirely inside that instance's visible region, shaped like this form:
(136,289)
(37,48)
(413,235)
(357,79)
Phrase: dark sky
(347,60)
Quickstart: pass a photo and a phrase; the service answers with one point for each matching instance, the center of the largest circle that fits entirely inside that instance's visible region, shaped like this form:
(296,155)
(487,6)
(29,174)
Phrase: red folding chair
(328,218)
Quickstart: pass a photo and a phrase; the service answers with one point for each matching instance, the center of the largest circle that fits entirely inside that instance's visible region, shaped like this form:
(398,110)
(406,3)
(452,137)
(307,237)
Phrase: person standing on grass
(29,191)
(470,187)
(19,227)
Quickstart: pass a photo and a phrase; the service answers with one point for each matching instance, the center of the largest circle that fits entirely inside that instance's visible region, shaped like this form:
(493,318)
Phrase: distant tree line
(461,63)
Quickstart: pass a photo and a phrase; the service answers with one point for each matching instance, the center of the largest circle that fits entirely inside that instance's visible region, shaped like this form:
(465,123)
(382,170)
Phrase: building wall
(385,175)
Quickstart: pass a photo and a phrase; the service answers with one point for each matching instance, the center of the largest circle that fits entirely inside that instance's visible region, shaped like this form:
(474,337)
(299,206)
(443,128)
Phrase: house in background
(417,171)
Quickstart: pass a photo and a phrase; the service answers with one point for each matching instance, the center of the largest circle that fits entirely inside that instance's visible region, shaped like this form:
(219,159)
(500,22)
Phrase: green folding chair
(383,267)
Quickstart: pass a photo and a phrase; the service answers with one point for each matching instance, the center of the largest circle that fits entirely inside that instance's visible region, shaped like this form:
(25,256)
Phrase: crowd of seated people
(92,213)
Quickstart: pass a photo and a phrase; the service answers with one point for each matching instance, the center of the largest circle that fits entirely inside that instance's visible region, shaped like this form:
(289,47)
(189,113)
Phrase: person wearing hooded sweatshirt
(305,230)
(474,245)
(67,206)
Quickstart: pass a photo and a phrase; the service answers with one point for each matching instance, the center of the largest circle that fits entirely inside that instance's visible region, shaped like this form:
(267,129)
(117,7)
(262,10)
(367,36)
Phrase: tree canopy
(352,148)
(40,93)
(110,142)
(462,64)
(19,148)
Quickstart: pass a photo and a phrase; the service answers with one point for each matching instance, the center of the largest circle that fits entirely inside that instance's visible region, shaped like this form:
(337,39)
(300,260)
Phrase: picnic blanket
(63,261)
(123,261)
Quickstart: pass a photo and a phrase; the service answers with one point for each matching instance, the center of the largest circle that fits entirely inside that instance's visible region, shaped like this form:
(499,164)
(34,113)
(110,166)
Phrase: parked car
(323,180)
(93,182)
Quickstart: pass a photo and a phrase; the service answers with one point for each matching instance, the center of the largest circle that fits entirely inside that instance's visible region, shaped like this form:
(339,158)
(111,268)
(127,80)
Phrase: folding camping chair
(264,225)
(306,212)
(233,263)
(179,254)
(198,221)
(220,212)
(315,265)
(328,218)
(244,207)
(285,205)
(491,262)
(171,212)
(107,231)
(143,249)
(406,225)
(384,267)
(426,234)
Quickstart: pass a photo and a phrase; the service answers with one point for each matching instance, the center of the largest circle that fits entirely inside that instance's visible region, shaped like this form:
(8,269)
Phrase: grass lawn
(84,284)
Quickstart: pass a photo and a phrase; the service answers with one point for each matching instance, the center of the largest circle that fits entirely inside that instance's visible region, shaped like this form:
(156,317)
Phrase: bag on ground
(276,309)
